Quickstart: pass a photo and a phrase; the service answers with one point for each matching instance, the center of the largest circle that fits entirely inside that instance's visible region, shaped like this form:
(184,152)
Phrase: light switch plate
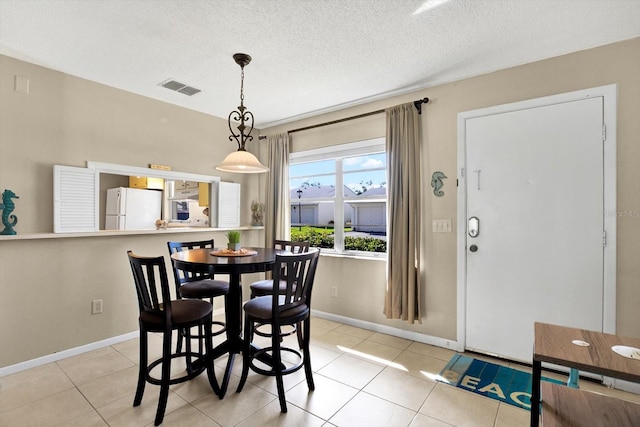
(21,84)
(441,226)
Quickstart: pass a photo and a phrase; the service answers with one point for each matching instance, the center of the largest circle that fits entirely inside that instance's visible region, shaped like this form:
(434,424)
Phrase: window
(339,197)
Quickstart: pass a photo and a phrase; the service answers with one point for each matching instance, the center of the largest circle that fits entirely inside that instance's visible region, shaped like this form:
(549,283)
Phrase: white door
(534,179)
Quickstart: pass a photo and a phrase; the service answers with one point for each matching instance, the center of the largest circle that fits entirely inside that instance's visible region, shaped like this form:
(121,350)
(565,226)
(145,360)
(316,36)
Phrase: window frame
(339,153)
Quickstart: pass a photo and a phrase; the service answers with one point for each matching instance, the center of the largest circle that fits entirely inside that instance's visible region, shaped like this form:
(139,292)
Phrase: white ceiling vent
(179,87)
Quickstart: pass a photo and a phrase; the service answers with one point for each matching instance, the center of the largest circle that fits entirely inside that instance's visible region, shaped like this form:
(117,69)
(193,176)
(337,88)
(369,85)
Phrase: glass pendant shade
(242,162)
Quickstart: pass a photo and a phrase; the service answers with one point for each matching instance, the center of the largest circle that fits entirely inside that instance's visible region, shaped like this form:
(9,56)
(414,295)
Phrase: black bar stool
(291,307)
(159,313)
(265,287)
(197,284)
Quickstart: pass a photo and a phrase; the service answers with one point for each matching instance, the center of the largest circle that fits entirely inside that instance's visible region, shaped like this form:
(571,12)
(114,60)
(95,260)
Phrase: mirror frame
(124,170)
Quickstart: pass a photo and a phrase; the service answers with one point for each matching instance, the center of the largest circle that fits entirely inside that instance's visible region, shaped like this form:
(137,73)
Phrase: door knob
(473,248)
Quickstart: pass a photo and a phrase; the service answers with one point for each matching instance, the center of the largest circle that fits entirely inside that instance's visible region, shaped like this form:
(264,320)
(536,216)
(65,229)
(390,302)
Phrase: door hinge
(604,133)
(604,238)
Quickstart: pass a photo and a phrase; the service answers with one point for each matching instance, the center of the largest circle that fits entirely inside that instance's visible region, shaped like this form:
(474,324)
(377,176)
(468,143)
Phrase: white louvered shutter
(228,204)
(75,199)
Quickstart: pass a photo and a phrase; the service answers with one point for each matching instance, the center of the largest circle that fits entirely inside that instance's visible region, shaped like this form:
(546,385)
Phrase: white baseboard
(389,330)
(18,367)
(22,366)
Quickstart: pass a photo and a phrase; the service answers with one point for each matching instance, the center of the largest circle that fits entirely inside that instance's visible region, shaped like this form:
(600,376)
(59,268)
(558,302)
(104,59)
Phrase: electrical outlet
(96,306)
(334,292)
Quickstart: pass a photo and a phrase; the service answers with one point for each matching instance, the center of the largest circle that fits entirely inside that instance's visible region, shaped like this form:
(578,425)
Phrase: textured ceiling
(309,57)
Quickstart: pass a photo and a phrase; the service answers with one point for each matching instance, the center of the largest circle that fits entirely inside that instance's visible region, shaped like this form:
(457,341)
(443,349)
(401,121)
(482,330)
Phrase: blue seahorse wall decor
(7,206)
(437,184)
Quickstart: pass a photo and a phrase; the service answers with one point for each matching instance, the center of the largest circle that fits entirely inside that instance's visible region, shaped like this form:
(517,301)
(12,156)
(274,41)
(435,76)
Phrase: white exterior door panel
(534,178)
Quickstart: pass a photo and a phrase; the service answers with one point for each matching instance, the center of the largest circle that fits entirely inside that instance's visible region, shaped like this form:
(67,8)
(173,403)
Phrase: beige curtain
(403,137)
(277,210)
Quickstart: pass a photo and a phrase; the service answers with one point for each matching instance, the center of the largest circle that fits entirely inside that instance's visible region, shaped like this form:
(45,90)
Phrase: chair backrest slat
(181,276)
(291,246)
(152,283)
(298,272)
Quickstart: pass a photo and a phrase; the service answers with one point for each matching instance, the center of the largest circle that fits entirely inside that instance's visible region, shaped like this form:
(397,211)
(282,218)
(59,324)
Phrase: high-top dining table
(203,260)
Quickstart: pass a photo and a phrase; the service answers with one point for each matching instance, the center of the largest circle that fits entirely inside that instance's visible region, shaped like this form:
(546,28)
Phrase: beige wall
(46,285)
(68,121)
(361,288)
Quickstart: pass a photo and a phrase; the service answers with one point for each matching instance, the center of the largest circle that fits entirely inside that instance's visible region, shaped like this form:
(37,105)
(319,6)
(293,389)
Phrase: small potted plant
(233,238)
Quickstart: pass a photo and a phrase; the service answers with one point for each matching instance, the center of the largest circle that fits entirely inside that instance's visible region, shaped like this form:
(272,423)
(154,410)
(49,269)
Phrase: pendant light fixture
(241,161)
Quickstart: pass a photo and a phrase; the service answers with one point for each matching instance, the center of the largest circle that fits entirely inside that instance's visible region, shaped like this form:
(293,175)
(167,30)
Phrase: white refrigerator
(132,209)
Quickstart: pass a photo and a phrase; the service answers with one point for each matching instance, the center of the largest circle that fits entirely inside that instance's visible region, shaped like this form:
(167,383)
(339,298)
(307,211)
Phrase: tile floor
(362,378)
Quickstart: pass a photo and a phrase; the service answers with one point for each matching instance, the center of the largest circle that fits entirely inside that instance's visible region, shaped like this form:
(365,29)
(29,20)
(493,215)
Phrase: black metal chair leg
(307,354)
(277,367)
(188,350)
(299,327)
(165,378)
(142,367)
(179,341)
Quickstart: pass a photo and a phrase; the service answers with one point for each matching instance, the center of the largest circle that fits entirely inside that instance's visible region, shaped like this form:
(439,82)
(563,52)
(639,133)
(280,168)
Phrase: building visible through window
(339,197)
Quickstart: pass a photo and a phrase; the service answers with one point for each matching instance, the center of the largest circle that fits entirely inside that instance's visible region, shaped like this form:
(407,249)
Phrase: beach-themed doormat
(488,379)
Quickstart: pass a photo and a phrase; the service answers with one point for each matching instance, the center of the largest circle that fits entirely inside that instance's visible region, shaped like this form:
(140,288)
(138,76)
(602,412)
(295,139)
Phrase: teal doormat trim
(498,382)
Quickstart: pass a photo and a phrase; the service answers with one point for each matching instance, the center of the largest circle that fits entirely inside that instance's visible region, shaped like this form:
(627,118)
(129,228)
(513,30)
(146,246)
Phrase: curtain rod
(418,104)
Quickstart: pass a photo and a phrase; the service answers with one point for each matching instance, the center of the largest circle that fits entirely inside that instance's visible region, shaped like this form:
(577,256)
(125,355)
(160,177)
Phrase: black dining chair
(265,287)
(197,284)
(160,314)
(291,307)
